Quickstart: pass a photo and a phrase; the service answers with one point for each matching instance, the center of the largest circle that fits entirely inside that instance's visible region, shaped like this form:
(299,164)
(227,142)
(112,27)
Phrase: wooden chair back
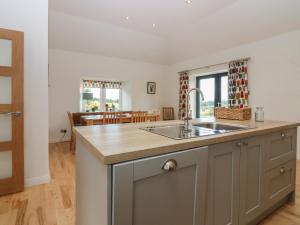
(73,136)
(112,117)
(71,120)
(168,113)
(138,117)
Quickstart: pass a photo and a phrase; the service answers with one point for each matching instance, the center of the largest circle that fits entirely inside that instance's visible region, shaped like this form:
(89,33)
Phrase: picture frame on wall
(151,87)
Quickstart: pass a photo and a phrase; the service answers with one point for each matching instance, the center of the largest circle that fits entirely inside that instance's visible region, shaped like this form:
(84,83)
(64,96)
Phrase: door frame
(16,145)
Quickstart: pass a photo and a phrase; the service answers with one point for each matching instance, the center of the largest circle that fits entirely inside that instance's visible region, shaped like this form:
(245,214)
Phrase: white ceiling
(169,15)
(182,31)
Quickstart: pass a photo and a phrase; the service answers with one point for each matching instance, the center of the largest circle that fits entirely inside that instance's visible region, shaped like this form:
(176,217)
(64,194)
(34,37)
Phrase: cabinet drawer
(280,181)
(152,166)
(281,147)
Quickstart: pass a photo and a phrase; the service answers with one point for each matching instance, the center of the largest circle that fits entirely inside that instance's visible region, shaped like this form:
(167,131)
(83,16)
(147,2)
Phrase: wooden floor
(49,204)
(53,203)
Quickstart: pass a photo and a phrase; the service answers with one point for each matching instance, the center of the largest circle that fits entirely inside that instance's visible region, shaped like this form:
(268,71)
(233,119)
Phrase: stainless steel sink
(222,127)
(177,132)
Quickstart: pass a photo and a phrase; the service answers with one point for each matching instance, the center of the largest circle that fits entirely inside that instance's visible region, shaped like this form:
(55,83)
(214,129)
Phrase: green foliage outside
(207,108)
(112,103)
(93,104)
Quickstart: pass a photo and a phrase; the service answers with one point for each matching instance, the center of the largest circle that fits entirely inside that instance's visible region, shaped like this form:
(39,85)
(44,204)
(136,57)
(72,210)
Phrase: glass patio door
(215,91)
(11,112)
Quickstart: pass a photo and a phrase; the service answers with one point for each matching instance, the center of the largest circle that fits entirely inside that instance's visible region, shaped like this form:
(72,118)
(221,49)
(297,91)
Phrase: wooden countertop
(123,142)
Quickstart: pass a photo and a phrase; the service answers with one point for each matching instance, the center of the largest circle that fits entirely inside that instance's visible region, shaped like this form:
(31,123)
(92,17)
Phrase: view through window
(215,90)
(95,99)
(91,99)
(112,99)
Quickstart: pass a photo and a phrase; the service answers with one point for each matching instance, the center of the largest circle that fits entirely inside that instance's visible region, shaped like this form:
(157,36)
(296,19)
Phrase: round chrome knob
(282,134)
(282,170)
(239,144)
(170,165)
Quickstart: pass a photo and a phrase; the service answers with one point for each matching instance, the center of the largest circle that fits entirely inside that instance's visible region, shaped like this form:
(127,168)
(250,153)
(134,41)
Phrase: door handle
(16,114)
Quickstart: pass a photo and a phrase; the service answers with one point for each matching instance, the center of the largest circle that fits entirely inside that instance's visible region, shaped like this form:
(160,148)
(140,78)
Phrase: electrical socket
(64,131)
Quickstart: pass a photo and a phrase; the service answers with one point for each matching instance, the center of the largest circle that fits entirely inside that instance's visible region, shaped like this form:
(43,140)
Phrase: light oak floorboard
(48,204)
(54,203)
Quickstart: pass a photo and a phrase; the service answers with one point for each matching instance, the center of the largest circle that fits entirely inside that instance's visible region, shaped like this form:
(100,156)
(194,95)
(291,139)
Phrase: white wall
(66,69)
(274,74)
(31,16)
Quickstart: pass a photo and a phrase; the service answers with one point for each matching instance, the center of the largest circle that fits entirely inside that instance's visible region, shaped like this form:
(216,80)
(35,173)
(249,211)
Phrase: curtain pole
(236,60)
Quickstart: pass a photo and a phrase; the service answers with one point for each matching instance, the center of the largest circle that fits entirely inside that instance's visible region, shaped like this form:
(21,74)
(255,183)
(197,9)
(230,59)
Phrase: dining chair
(73,135)
(138,117)
(112,117)
(168,113)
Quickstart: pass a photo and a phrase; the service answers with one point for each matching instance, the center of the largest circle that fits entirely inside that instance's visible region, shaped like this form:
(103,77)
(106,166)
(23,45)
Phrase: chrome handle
(170,165)
(282,134)
(16,114)
(239,144)
(282,170)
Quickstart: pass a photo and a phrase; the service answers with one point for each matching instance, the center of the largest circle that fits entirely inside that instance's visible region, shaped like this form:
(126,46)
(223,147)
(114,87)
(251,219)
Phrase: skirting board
(37,180)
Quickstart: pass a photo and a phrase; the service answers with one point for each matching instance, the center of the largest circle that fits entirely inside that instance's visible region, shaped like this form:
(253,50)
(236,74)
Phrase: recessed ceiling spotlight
(153,25)
(127,18)
(188,2)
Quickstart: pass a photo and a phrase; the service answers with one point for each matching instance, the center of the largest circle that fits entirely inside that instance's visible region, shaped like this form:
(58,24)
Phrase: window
(100,96)
(91,98)
(112,98)
(215,90)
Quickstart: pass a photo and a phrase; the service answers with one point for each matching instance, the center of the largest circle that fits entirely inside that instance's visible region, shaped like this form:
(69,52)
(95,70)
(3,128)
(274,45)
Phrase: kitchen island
(128,176)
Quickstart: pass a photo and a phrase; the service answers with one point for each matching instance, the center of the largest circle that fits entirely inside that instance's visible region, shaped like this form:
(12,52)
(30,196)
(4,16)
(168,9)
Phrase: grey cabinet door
(145,194)
(251,179)
(223,184)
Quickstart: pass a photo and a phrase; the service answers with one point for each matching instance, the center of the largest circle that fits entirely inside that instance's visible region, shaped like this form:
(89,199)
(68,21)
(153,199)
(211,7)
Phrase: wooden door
(252,179)
(147,192)
(223,184)
(11,112)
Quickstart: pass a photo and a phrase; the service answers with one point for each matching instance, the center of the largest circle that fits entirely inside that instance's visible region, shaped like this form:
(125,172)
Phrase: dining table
(90,120)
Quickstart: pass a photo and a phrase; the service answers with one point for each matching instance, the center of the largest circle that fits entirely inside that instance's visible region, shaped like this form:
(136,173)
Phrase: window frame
(218,82)
(102,100)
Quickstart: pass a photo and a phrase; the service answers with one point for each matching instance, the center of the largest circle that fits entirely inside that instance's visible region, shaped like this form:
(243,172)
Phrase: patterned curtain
(238,84)
(183,89)
(102,84)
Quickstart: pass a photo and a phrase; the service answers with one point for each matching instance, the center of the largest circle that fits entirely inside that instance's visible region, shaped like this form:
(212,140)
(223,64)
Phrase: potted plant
(94,106)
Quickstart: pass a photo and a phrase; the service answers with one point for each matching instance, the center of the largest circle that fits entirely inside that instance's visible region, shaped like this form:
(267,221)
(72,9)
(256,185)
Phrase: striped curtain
(183,89)
(238,84)
(102,84)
